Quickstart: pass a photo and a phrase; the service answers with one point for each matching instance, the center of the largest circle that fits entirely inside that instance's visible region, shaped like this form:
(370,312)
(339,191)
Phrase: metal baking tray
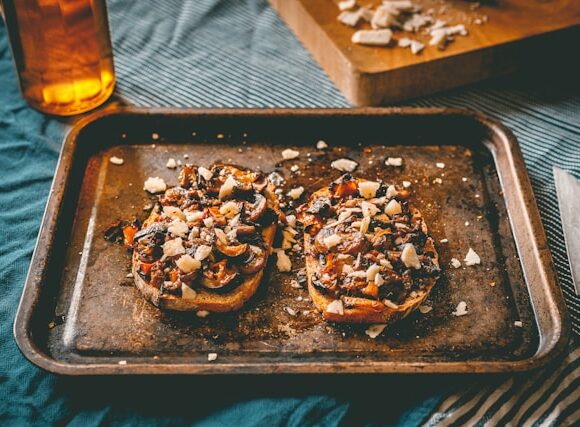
(81,315)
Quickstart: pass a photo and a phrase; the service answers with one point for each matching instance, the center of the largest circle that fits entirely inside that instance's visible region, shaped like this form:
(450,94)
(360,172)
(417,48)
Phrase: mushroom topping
(252,261)
(257,209)
(230,250)
(244,229)
(218,275)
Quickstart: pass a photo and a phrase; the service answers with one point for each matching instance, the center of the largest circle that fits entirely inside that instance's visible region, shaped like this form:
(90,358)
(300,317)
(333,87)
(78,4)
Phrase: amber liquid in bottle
(62,51)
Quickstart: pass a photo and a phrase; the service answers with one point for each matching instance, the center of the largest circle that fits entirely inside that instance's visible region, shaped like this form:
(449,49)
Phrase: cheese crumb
(290,311)
(368,189)
(289,154)
(227,187)
(455,263)
(437,181)
(373,37)
(178,228)
(424,309)
(173,212)
(346,4)
(472,258)
(393,208)
(173,247)
(202,313)
(283,262)
(202,252)
(440,165)
(154,185)
(344,165)
(171,163)
(229,209)
(443,240)
(332,240)
(295,193)
(194,216)
(291,220)
(374,331)
(335,307)
(409,257)
(406,184)
(187,292)
(391,191)
(372,271)
(518,324)
(390,304)
(369,209)
(205,173)
(116,160)
(208,222)
(461,309)
(211,357)
(394,161)
(321,145)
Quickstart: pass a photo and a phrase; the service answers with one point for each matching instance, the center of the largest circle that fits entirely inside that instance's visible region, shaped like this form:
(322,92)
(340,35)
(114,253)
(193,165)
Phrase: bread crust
(357,309)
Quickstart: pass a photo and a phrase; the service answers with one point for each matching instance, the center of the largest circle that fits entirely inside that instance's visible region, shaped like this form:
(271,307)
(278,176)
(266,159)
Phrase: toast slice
(205,246)
(369,258)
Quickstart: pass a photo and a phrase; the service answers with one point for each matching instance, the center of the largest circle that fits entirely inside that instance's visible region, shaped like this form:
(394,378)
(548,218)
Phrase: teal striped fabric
(237,53)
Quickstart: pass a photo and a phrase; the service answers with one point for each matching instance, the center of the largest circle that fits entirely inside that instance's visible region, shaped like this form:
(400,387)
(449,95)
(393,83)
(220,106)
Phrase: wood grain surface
(509,39)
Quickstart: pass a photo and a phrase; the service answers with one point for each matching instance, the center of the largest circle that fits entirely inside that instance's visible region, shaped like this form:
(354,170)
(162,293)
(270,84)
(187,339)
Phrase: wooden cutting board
(515,32)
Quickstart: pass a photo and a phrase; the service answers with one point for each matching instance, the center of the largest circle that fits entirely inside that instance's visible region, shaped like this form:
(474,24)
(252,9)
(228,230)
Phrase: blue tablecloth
(238,53)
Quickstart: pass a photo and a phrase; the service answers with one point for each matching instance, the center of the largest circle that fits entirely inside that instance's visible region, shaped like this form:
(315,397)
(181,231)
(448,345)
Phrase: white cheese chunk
(455,263)
(332,240)
(205,173)
(173,212)
(283,262)
(202,252)
(335,307)
(187,292)
(221,235)
(211,357)
(321,145)
(394,161)
(178,228)
(391,191)
(384,17)
(406,184)
(386,263)
(173,247)
(374,331)
(295,193)
(289,154)
(368,189)
(171,163)
(202,314)
(229,209)
(290,311)
(227,187)
(409,257)
(393,208)
(194,216)
(416,47)
(350,18)
(440,165)
(364,224)
(369,209)
(154,185)
(291,220)
(344,165)
(187,264)
(471,258)
(116,160)
(208,222)
(373,37)
(390,304)
(518,324)
(461,309)
(379,281)
(346,4)
(372,271)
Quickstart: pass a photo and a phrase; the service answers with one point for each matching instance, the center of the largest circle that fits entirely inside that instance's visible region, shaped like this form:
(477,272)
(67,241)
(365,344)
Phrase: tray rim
(540,259)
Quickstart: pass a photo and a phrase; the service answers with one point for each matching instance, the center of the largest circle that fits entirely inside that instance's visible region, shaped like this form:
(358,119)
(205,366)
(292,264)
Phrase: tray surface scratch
(104,320)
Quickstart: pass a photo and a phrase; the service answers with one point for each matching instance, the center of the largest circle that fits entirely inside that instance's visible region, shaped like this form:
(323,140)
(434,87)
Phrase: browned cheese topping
(368,241)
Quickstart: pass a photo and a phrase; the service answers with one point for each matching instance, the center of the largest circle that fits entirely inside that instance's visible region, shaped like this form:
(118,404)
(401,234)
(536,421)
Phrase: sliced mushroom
(260,182)
(244,229)
(359,244)
(218,275)
(230,250)
(253,260)
(257,209)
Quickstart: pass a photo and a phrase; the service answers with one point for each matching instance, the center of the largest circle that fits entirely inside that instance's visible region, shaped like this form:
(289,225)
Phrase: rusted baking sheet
(81,315)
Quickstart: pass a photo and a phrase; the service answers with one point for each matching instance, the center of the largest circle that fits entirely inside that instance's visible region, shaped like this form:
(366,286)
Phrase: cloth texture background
(238,53)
